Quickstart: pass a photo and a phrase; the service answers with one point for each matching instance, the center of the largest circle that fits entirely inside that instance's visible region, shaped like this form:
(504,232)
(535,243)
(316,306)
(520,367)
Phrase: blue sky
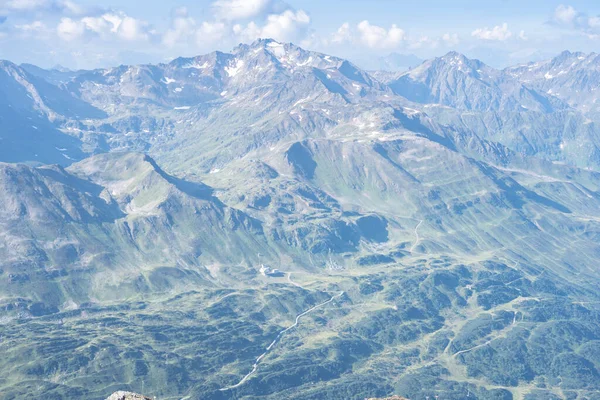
(96,33)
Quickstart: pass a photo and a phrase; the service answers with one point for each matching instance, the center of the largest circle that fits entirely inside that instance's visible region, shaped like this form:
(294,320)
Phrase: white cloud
(565,14)
(375,36)
(372,36)
(99,25)
(343,34)
(450,39)
(70,30)
(108,25)
(523,36)
(499,33)
(182,28)
(379,38)
(569,17)
(27,4)
(233,10)
(246,32)
(35,26)
(311,41)
(41,5)
(232,21)
(287,26)
(210,32)
(423,41)
(133,29)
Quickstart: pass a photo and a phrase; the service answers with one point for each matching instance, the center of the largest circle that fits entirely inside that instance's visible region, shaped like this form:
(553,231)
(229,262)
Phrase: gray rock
(120,395)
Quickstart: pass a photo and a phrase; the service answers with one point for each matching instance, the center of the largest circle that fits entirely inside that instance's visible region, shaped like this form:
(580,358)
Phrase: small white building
(268,271)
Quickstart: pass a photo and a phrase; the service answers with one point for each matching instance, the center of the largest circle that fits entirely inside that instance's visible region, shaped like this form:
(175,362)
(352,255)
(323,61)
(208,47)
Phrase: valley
(428,240)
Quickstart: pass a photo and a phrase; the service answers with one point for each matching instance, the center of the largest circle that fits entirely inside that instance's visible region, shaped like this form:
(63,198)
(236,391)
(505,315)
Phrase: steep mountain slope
(475,100)
(113,221)
(55,76)
(571,77)
(249,68)
(31,111)
(163,107)
(261,93)
(118,217)
(458,259)
(456,81)
(296,228)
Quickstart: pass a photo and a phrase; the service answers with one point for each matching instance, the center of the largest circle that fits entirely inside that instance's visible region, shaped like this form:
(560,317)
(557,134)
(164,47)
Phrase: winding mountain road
(417,237)
(259,359)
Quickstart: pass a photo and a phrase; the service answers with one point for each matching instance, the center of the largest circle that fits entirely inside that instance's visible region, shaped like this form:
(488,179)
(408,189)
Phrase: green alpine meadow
(278,223)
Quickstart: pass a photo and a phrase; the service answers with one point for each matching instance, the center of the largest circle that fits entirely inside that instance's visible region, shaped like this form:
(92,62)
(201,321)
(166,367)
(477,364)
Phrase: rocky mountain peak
(460,62)
(434,212)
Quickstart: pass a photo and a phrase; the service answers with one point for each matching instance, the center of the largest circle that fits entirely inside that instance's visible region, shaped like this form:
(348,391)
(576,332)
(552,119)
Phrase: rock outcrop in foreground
(390,398)
(127,396)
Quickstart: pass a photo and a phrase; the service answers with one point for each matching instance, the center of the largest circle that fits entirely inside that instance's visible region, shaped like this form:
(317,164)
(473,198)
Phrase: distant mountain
(269,80)
(435,231)
(57,75)
(31,112)
(193,81)
(571,77)
(477,100)
(456,81)
(261,89)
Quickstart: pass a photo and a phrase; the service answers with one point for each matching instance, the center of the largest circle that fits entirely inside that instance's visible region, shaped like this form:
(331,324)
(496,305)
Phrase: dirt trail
(259,359)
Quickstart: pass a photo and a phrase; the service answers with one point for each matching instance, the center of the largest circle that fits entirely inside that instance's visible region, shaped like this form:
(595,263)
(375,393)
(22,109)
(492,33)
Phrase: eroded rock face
(120,395)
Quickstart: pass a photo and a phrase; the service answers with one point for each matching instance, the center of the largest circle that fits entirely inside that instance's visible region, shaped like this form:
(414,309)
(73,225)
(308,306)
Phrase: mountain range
(434,232)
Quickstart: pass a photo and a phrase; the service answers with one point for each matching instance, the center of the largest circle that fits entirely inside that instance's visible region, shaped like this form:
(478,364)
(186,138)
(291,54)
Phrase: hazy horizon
(89,34)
